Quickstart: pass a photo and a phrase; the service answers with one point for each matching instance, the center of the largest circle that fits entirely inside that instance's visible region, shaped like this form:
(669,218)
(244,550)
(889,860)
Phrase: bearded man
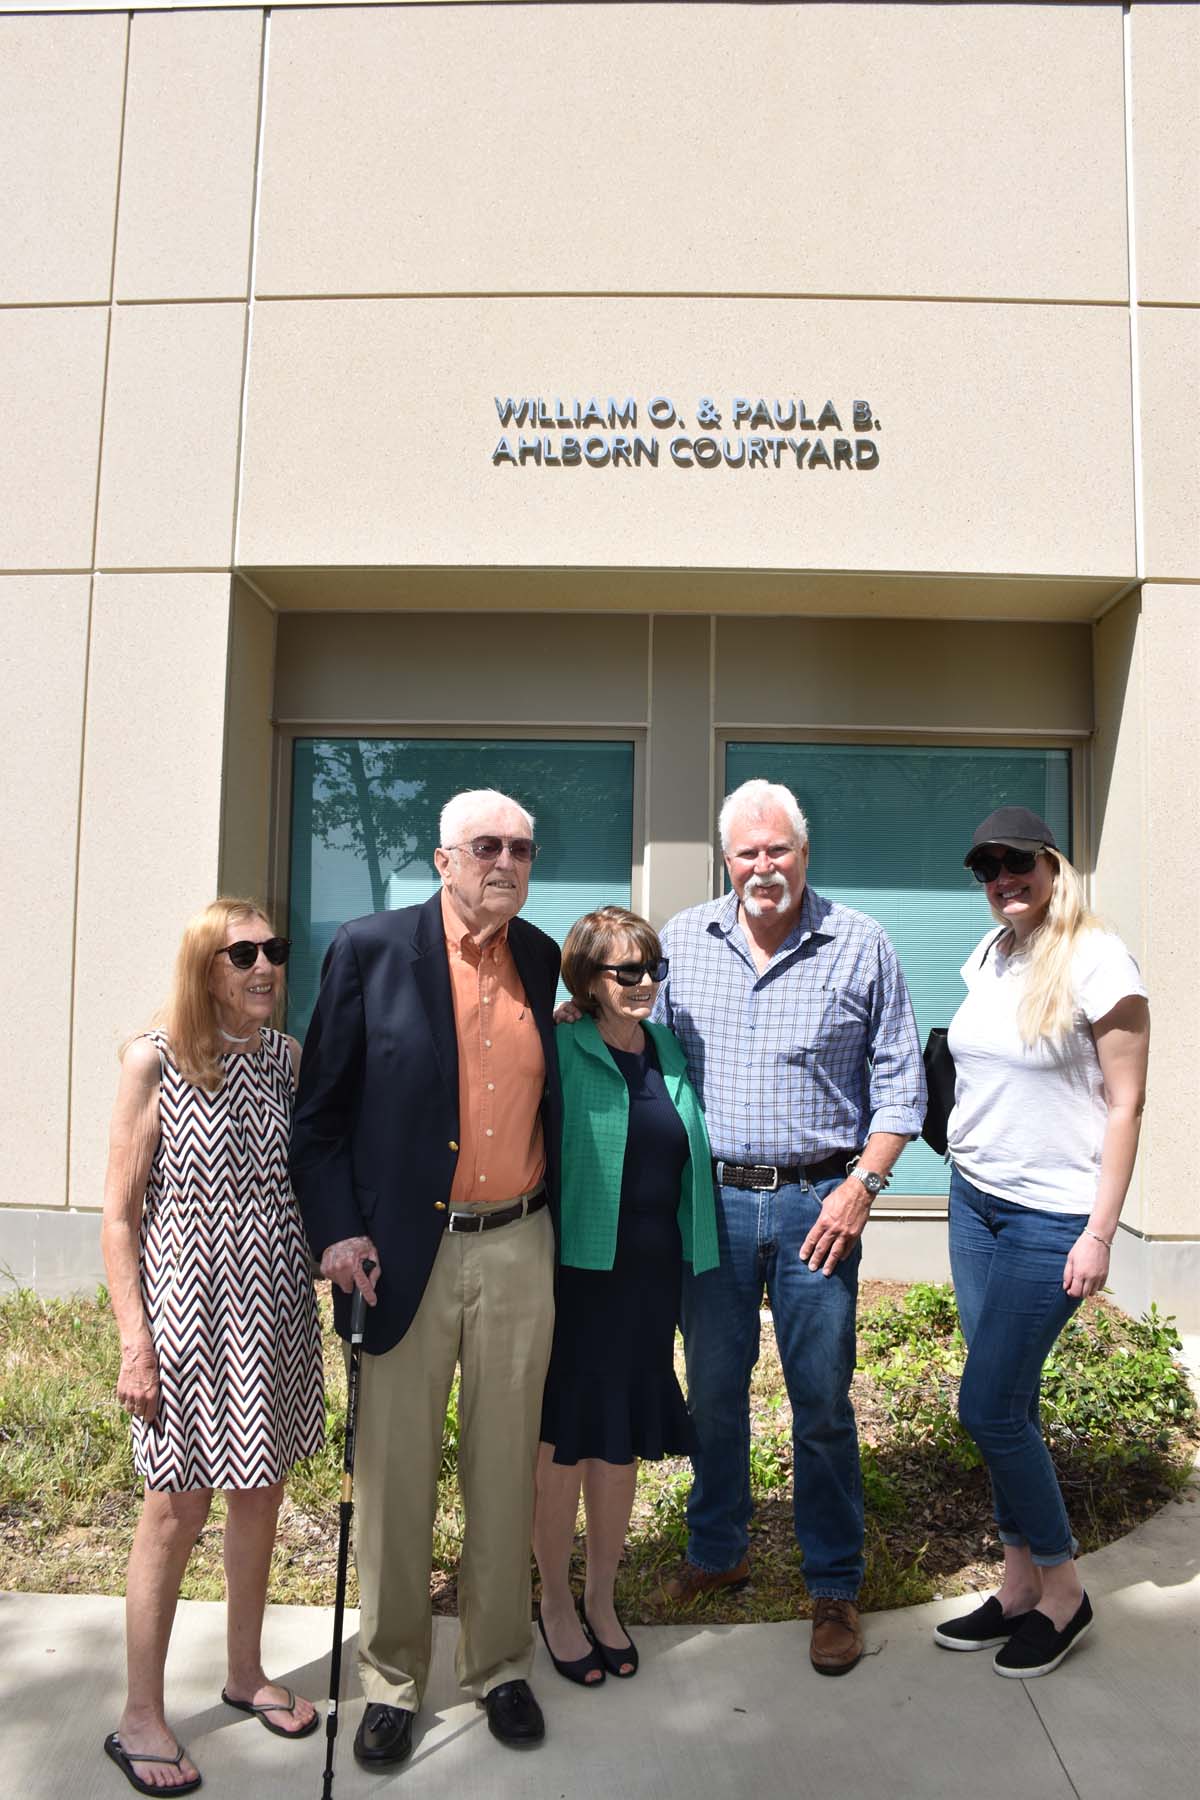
(800,1038)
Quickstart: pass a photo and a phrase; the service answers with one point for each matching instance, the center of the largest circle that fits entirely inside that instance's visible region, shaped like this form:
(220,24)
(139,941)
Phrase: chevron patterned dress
(226,1283)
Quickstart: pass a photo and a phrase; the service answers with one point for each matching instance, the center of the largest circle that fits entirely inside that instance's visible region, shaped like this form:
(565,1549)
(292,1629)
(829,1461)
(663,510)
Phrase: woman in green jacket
(637,1199)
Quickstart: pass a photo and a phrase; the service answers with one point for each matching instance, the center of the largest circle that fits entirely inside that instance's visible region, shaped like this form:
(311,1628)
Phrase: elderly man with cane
(425,1141)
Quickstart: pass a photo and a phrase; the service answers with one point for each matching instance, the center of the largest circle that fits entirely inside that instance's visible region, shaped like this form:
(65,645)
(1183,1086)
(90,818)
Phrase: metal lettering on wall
(747,433)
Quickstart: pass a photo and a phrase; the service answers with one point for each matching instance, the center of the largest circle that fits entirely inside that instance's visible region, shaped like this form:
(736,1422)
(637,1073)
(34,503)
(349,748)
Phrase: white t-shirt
(1028,1122)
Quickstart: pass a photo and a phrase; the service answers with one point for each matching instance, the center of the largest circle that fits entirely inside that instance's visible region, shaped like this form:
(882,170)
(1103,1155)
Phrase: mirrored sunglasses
(244,954)
(630,974)
(985,867)
(487,849)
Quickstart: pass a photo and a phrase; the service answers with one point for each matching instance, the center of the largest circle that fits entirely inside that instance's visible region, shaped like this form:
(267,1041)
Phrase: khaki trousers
(489,1307)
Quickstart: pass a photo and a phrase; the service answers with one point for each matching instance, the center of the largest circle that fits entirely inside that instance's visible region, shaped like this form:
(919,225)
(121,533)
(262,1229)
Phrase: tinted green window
(889,826)
(365,825)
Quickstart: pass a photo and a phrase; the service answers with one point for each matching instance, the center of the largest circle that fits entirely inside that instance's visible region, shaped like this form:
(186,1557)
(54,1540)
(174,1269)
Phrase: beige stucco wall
(169,460)
(187,173)
(249,749)
(628,148)
(1170,404)
(262,277)
(61,82)
(43,653)
(358,454)
(52,366)
(1165,111)
(150,821)
(1170,631)
(1146,774)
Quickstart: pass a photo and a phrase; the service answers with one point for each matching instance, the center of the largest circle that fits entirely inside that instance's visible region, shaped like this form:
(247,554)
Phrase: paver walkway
(717,1711)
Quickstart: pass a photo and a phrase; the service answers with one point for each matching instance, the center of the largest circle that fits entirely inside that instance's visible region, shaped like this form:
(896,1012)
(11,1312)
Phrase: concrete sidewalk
(715,1711)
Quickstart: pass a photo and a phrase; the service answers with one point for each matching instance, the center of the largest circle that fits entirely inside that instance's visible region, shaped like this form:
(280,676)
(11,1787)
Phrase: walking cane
(358,1322)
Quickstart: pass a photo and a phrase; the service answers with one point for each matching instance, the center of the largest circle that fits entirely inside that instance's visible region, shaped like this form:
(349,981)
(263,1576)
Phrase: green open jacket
(595,1124)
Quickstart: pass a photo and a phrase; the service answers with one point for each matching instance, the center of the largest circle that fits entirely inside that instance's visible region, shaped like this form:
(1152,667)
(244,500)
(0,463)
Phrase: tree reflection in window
(365,825)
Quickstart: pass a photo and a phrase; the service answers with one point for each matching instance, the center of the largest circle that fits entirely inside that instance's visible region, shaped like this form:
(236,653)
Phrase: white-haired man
(425,1141)
(800,1037)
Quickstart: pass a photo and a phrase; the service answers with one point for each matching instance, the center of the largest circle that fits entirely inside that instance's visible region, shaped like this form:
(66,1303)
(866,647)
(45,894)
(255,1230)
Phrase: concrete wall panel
(449,670)
(52,386)
(1170,397)
(170,436)
(1166,150)
(61,81)
(903,675)
(187,173)
(1118,805)
(1171,649)
(43,653)
(1004,443)
(679,826)
(151,822)
(871,149)
(249,742)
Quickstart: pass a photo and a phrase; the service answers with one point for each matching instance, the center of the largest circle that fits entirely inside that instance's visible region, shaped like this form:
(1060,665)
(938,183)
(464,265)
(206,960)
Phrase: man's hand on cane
(344,1261)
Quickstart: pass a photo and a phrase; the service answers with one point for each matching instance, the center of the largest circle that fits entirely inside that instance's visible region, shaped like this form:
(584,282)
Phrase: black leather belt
(503,1215)
(771,1176)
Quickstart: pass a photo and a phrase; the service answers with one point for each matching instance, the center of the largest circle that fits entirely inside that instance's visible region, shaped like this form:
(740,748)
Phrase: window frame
(280,851)
(925,1206)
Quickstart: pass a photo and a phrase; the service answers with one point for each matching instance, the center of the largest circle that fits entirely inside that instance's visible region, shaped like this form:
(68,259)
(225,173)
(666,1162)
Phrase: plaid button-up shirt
(809,1057)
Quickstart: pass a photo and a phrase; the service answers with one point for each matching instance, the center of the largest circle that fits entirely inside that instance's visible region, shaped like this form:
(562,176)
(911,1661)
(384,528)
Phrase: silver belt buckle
(774,1168)
(461,1229)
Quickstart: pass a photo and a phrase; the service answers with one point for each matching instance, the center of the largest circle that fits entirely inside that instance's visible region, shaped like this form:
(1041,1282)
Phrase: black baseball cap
(1014,826)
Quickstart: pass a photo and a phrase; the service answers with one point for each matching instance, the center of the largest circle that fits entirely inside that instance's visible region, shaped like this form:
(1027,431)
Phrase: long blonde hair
(188,1017)
(1047,1008)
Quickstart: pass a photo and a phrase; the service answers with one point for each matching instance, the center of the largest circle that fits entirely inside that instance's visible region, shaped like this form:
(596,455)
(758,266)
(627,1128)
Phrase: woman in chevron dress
(213,1297)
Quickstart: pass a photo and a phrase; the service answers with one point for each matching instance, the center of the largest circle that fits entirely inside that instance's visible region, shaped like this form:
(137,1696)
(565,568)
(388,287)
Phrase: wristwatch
(873,1183)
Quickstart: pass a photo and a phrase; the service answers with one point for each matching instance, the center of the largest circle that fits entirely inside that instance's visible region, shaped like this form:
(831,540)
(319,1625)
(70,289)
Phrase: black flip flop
(125,1760)
(260,1712)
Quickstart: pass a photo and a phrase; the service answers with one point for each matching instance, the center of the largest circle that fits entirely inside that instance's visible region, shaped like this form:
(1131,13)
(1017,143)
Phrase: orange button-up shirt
(501,1071)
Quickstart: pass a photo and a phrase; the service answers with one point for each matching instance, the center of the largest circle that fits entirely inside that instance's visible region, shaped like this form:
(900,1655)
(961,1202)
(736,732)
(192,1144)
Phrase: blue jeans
(1008,1262)
(760,1235)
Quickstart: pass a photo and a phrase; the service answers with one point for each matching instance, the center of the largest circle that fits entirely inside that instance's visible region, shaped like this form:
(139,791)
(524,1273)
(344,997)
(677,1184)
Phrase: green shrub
(1112,1391)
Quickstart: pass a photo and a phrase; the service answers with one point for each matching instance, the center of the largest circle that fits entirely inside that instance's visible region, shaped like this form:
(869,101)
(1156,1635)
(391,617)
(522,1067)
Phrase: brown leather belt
(504,1215)
(770,1176)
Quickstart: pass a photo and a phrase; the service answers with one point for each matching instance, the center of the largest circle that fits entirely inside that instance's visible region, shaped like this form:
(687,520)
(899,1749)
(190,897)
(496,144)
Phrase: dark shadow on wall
(1117,734)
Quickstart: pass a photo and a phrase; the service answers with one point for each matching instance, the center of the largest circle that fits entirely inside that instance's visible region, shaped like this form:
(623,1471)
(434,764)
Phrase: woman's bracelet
(1088,1232)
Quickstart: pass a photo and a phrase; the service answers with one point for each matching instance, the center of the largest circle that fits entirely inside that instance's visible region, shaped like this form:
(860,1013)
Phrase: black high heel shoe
(583,1666)
(612,1659)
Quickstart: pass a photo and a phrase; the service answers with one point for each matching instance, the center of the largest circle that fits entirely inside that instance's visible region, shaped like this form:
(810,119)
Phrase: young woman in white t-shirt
(1050,1049)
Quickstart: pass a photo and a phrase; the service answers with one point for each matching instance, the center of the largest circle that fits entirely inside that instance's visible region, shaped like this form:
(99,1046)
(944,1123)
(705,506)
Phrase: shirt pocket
(835,1017)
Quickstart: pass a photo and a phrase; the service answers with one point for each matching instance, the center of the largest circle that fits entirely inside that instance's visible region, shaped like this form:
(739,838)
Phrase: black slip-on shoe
(982,1629)
(384,1736)
(1039,1646)
(514,1716)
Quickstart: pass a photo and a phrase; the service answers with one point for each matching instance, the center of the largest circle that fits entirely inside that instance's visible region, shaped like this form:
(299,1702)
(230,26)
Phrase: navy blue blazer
(376,1122)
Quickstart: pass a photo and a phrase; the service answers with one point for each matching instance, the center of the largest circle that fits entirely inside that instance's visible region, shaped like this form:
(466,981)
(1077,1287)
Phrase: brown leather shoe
(689,1581)
(837,1641)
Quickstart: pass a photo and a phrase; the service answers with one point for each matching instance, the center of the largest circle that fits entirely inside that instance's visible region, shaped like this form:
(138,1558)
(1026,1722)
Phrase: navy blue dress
(611,1390)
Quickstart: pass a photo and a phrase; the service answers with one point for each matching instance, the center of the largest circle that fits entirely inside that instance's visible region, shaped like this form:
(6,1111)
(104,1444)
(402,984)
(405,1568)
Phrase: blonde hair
(1047,1008)
(189,1018)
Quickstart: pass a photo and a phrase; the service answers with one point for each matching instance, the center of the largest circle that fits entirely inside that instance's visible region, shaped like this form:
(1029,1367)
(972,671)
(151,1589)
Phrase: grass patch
(1119,1417)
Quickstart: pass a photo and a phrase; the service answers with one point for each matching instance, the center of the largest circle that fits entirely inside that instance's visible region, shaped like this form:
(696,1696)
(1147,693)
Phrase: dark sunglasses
(630,974)
(244,954)
(487,849)
(1018,862)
